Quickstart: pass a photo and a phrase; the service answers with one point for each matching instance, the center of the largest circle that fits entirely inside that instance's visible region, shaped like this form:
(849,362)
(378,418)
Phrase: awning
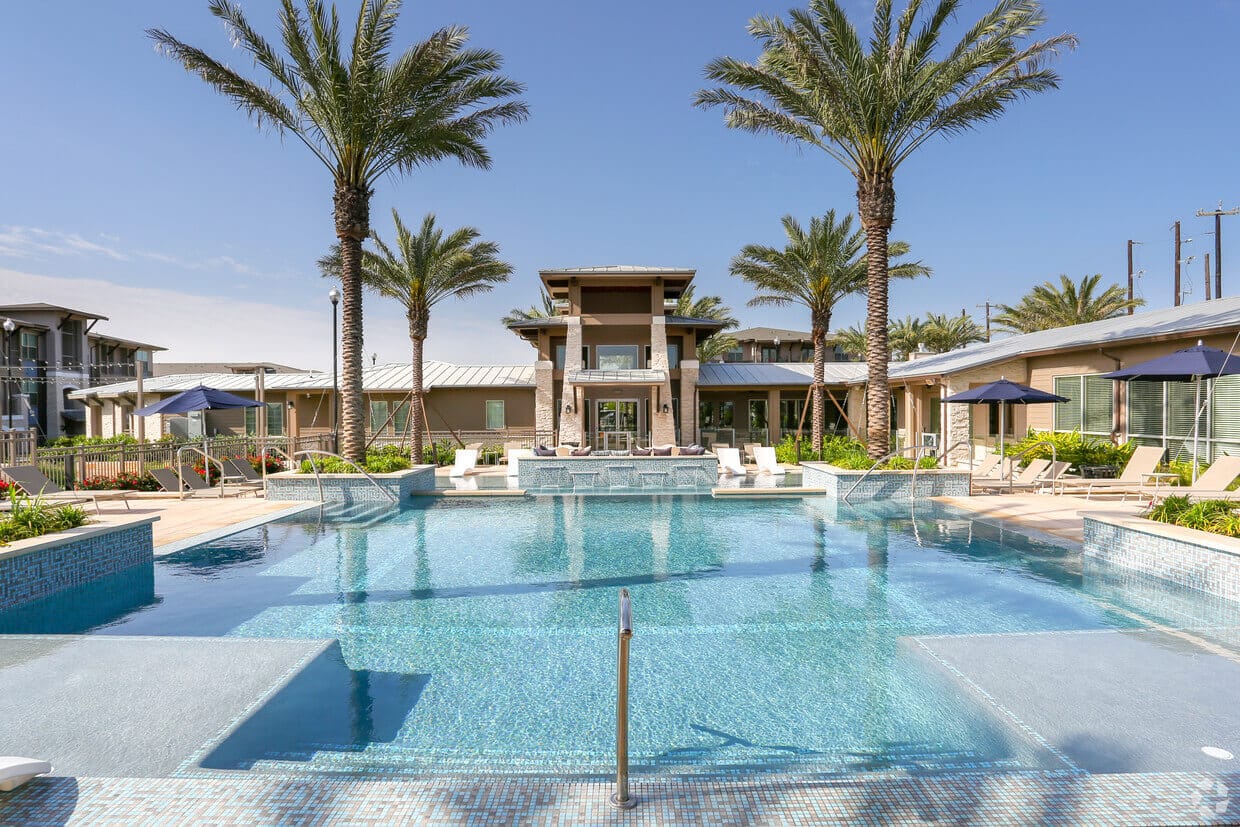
(616,377)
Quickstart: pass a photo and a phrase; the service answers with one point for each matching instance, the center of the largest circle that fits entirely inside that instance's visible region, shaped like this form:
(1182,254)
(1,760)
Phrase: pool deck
(1058,515)
(181,520)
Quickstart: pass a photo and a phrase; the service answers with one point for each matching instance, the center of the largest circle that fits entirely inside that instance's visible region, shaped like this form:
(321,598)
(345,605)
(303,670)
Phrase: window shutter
(1068,414)
(1099,402)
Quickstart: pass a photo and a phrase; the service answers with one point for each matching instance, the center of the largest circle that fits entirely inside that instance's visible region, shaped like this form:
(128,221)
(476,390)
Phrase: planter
(1190,558)
(884,485)
(350,488)
(607,473)
(43,566)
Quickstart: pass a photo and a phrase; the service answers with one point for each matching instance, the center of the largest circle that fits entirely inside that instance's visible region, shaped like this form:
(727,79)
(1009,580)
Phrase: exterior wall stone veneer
(956,417)
(572,425)
(662,425)
(1193,559)
(544,401)
(350,488)
(43,566)
(605,473)
(884,485)
(688,401)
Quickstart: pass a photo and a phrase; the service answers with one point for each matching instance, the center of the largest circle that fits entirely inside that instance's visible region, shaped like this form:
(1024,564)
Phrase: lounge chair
(1211,485)
(32,481)
(749,451)
(1001,471)
(730,462)
(987,466)
(194,481)
(167,479)
(1143,462)
(466,461)
(15,771)
(767,463)
(240,472)
(1025,479)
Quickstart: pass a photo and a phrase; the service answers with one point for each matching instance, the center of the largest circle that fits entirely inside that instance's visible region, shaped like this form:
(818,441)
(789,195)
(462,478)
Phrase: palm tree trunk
(876,202)
(417,423)
(819,334)
(352,214)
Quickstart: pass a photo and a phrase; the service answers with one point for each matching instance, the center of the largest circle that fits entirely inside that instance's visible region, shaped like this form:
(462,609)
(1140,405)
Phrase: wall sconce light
(667,408)
(568,408)
(290,404)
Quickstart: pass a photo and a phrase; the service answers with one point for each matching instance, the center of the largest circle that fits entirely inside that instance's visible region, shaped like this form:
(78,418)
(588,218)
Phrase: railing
(917,450)
(17,447)
(1014,457)
(621,798)
(315,466)
(207,459)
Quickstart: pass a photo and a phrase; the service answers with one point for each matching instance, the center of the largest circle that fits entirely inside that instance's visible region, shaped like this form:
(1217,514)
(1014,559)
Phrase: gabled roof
(44,307)
(776,374)
(107,337)
(1169,323)
(768,334)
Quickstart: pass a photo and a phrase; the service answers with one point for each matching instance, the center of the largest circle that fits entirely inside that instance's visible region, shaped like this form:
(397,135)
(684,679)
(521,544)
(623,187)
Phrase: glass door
(615,424)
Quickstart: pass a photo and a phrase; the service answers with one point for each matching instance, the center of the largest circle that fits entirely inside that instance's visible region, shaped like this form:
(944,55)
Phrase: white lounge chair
(730,462)
(1210,485)
(514,458)
(1025,479)
(15,771)
(767,463)
(466,461)
(1143,462)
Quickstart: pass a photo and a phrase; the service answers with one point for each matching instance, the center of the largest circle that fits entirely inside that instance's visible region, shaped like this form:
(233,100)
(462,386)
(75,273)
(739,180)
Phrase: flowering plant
(124,481)
(4,490)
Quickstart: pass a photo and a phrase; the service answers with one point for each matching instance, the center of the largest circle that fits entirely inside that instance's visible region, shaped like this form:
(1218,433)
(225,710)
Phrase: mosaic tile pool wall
(888,485)
(575,473)
(1152,551)
(25,577)
(350,488)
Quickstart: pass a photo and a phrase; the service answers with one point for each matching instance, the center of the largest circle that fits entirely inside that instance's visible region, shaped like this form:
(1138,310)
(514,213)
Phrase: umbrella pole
(1196,423)
(1002,429)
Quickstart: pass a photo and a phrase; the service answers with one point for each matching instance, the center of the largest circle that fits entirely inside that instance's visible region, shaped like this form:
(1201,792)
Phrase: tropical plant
(33,517)
(903,336)
(870,106)
(852,340)
(715,346)
(544,310)
(709,307)
(1049,305)
(1072,447)
(942,333)
(1214,516)
(385,460)
(362,113)
(817,268)
(421,270)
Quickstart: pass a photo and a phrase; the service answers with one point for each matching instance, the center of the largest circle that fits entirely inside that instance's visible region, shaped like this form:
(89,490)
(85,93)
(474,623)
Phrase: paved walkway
(1058,515)
(182,519)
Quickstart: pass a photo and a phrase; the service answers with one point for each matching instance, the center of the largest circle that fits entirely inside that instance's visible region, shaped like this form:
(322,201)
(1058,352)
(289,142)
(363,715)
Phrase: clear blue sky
(122,168)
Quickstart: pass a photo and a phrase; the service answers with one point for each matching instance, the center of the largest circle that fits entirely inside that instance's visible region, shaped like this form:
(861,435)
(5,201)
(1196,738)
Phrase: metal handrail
(207,458)
(315,467)
(621,798)
(917,449)
(262,455)
(1014,457)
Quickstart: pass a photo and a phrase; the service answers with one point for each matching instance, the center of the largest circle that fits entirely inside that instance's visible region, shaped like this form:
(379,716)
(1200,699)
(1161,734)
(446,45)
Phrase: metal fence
(17,447)
(70,466)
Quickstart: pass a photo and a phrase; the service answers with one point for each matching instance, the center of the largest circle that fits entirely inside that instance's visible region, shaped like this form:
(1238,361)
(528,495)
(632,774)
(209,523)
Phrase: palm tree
(1049,305)
(422,270)
(871,105)
(942,333)
(362,115)
(904,335)
(714,346)
(816,269)
(852,340)
(545,309)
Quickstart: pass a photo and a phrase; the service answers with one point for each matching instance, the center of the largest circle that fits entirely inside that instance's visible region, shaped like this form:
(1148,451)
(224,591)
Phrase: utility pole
(1131,295)
(987,305)
(1207,276)
(1177,264)
(1218,244)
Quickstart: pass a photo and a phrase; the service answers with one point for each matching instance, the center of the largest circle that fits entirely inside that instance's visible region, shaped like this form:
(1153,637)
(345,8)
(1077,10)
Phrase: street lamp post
(334,296)
(9,327)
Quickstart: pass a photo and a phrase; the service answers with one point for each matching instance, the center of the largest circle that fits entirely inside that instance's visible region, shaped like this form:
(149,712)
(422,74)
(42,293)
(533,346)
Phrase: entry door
(616,417)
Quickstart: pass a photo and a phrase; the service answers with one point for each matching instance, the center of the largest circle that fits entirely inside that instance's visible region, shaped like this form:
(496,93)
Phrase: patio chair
(987,466)
(193,480)
(1143,462)
(240,472)
(1211,485)
(15,771)
(1000,471)
(167,479)
(466,461)
(749,451)
(1025,479)
(767,462)
(32,481)
(730,462)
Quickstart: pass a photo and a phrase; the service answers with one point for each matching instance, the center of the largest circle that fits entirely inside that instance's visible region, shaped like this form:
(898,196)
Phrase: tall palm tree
(714,346)
(420,271)
(871,105)
(1049,305)
(942,333)
(362,115)
(816,269)
(545,309)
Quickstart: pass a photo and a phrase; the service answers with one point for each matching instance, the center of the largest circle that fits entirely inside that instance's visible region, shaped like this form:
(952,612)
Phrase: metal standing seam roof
(607,269)
(561,321)
(616,377)
(1218,314)
(776,374)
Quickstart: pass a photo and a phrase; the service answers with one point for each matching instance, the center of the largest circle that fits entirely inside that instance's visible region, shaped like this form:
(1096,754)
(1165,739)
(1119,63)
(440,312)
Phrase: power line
(1218,243)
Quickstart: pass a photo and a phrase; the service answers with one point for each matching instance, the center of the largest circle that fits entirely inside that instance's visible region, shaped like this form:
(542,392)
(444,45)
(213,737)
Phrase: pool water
(479,635)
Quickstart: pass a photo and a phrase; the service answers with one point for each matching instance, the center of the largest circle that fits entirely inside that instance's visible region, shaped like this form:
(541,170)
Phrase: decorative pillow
(580,452)
(692,451)
(640,452)
(661,452)
(544,451)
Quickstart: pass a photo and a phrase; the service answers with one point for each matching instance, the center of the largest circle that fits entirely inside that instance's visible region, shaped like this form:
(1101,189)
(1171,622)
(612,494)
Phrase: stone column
(688,401)
(544,402)
(662,425)
(570,415)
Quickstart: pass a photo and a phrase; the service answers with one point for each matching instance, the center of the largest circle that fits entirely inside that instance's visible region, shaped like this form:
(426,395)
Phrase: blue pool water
(479,634)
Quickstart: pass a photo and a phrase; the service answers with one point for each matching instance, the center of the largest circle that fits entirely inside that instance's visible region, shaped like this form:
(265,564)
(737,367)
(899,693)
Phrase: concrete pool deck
(1058,515)
(181,520)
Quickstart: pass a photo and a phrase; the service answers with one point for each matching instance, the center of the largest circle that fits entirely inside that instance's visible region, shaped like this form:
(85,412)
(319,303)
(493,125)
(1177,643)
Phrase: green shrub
(443,451)
(78,441)
(385,460)
(1071,447)
(1214,516)
(33,517)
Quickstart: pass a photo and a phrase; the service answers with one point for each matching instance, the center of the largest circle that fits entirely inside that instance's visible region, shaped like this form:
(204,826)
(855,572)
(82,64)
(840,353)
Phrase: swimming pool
(478,635)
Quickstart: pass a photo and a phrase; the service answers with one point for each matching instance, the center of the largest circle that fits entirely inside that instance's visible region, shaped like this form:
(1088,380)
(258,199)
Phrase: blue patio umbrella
(200,398)
(1004,391)
(1192,364)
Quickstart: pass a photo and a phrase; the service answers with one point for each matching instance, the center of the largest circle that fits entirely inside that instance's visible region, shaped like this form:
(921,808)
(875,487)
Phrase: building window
(715,414)
(400,420)
(734,354)
(1090,408)
(673,356)
(807,353)
(1163,414)
(559,357)
(770,353)
(380,410)
(275,420)
(495,413)
(757,414)
(616,357)
(790,414)
(71,343)
(143,360)
(28,347)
